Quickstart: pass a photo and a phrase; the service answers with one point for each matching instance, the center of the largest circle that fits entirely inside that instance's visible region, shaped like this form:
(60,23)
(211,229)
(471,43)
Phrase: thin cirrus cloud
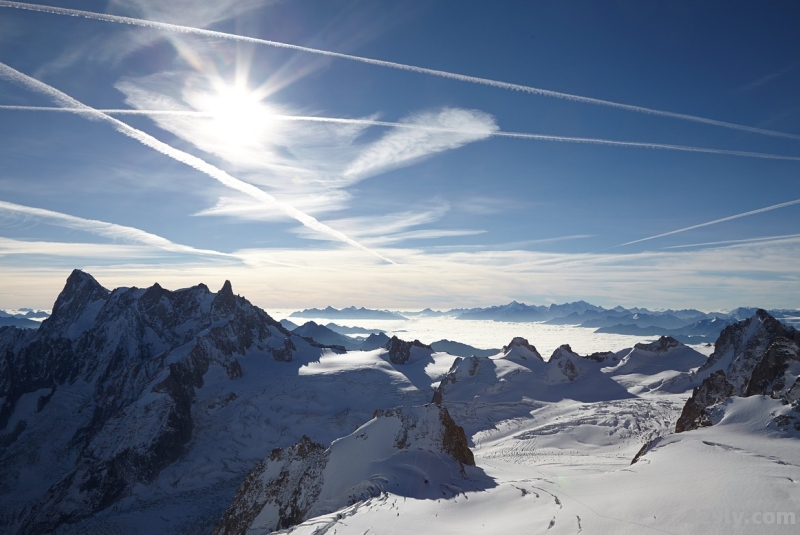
(105,229)
(676,278)
(97,251)
(393,65)
(404,146)
(373,230)
(221,176)
(398,227)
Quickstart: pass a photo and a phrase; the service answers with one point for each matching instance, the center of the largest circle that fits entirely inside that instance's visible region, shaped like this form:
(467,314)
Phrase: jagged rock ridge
(752,357)
(140,353)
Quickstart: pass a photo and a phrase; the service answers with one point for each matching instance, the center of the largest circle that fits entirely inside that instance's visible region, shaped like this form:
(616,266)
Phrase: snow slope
(144,411)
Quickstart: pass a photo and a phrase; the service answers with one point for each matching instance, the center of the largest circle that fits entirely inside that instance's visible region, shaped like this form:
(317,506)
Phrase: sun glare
(239,115)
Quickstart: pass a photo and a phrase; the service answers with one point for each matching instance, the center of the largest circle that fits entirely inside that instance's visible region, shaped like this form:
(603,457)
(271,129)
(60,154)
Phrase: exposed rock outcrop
(520,348)
(714,389)
(289,481)
(400,351)
(756,356)
(564,365)
(307,480)
(662,345)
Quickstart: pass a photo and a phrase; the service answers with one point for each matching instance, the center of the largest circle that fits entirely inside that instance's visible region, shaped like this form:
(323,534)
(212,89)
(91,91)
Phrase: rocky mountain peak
(225,301)
(141,354)
(400,350)
(521,348)
(756,356)
(741,346)
(662,345)
(75,303)
(564,365)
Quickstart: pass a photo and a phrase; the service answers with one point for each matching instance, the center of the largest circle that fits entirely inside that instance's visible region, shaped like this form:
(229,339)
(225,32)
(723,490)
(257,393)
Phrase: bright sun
(239,115)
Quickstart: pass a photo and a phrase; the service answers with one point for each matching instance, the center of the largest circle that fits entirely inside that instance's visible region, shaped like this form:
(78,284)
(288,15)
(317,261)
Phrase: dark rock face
(400,350)
(751,357)
(601,356)
(564,359)
(454,440)
(142,354)
(662,345)
(645,449)
(768,377)
(741,346)
(714,389)
(293,491)
(290,485)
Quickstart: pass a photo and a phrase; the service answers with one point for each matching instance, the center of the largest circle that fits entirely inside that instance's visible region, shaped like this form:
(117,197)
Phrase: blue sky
(437,212)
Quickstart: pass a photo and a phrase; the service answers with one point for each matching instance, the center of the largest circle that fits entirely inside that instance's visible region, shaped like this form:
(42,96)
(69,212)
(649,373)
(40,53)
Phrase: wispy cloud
(214,172)
(403,146)
(396,227)
(310,200)
(381,63)
(756,273)
(761,274)
(108,230)
(74,250)
(715,222)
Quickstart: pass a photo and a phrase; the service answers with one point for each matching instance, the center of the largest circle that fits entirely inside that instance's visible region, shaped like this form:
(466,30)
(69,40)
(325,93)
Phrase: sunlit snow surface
(493,334)
(559,455)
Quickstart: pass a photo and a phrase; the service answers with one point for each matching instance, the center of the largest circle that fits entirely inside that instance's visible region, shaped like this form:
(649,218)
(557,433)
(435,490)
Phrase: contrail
(729,242)
(723,220)
(216,173)
(414,126)
(109,230)
(390,64)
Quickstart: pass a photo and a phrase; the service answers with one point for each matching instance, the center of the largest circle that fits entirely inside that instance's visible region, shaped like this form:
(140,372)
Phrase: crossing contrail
(390,64)
(416,126)
(214,172)
(736,242)
(109,230)
(723,220)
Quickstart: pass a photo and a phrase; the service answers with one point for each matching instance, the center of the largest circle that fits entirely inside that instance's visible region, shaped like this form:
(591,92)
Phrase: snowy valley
(192,411)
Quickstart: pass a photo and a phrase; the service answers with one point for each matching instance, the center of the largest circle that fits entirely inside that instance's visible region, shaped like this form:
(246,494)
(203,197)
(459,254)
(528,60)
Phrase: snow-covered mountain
(188,411)
(324,335)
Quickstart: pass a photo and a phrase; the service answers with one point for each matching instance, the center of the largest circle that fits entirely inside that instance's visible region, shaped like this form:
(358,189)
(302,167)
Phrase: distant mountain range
(349,313)
(687,325)
(329,336)
(24,318)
